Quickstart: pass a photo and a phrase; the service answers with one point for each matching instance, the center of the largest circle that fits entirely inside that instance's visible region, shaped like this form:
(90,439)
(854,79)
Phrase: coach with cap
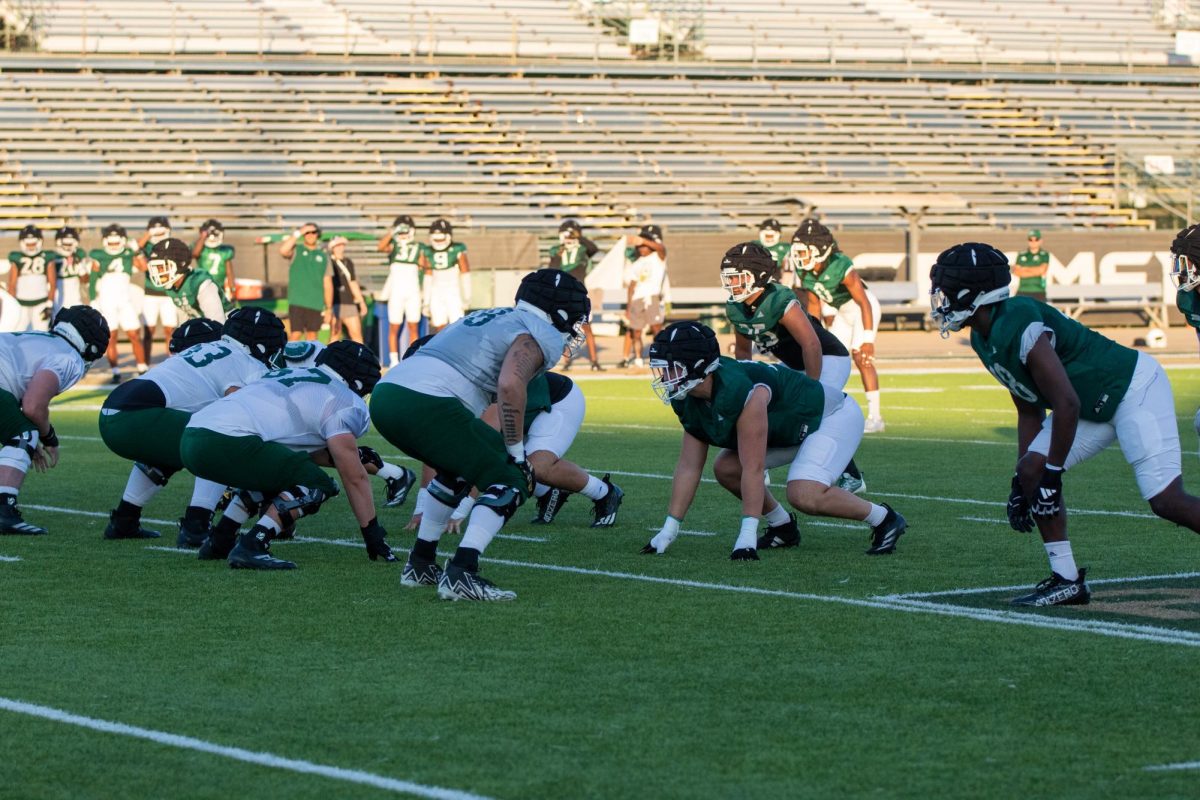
(1031,267)
(307,310)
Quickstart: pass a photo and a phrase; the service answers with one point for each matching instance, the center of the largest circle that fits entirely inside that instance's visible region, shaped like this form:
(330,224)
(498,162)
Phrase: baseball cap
(1034,233)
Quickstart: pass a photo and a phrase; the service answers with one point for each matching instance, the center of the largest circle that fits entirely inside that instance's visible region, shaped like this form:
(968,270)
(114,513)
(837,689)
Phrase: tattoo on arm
(523,361)
(510,422)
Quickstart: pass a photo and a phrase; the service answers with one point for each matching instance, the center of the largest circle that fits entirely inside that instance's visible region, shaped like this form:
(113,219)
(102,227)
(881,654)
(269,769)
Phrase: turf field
(130,670)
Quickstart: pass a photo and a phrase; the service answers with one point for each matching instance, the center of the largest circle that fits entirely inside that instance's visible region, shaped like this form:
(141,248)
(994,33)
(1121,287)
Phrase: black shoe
(786,534)
(217,546)
(398,488)
(606,507)
(191,534)
(419,572)
(885,534)
(744,554)
(11,521)
(253,551)
(115,379)
(1057,591)
(597,366)
(624,363)
(549,504)
(126,528)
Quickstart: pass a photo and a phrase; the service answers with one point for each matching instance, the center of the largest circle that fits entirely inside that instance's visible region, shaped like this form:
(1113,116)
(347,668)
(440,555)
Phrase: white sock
(777,515)
(1061,559)
(205,494)
(540,490)
(747,535)
(236,511)
(595,489)
(9,490)
(434,519)
(116,370)
(875,516)
(481,527)
(873,404)
(139,489)
(389,472)
(269,524)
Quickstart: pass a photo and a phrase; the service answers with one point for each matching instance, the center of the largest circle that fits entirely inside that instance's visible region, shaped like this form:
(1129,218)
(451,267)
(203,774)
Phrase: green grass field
(816,672)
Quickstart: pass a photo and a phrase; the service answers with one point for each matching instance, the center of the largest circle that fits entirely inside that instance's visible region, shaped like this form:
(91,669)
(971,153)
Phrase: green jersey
(795,410)
(151,289)
(110,263)
(1189,305)
(1038,283)
(215,261)
(306,277)
(195,298)
(830,283)
(779,251)
(573,260)
(446,259)
(408,252)
(762,324)
(1099,369)
(73,266)
(33,286)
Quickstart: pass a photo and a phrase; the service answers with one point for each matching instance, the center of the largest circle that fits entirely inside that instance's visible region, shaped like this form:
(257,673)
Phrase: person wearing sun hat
(1031,267)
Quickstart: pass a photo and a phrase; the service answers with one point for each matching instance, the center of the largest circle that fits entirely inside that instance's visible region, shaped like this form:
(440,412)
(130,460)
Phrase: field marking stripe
(237,753)
(1172,767)
(10,558)
(1172,576)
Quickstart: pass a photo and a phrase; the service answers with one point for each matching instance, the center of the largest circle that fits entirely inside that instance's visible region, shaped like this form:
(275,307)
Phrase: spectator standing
(645,277)
(215,257)
(307,310)
(407,261)
(573,255)
(1032,265)
(151,302)
(344,293)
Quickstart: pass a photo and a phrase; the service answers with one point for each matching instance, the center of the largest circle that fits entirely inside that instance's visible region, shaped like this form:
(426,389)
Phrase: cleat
(873,425)
(253,551)
(597,366)
(217,546)
(744,554)
(398,488)
(419,572)
(1057,591)
(549,504)
(605,510)
(191,534)
(11,521)
(780,536)
(852,484)
(456,583)
(125,528)
(115,379)
(885,535)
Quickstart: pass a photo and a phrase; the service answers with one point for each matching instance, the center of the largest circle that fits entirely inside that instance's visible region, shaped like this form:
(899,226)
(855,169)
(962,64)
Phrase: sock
(424,549)
(226,529)
(1061,560)
(236,512)
(541,490)
(873,404)
(875,516)
(596,489)
(116,370)
(206,494)
(777,516)
(852,470)
(128,510)
(482,525)
(141,368)
(268,523)
(139,489)
(9,490)
(434,519)
(389,472)
(198,514)
(467,558)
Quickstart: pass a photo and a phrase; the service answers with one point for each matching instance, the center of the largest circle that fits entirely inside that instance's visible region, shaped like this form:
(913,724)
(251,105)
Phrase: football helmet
(769,232)
(169,261)
(747,268)
(404,230)
(569,232)
(215,233)
(964,278)
(159,229)
(193,332)
(31,240)
(259,330)
(682,355)
(441,233)
(1185,259)
(812,245)
(66,240)
(85,328)
(115,238)
(354,363)
(652,232)
(562,298)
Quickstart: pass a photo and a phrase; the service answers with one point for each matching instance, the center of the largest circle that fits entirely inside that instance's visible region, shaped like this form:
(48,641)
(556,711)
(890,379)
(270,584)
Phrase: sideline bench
(1146,299)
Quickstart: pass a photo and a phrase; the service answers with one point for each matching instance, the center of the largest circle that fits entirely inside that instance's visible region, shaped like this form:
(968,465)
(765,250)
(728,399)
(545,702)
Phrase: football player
(193,291)
(573,255)
(837,294)
(770,235)
(766,313)
(151,302)
(448,277)
(215,257)
(71,265)
(429,407)
(34,368)
(31,280)
(407,259)
(112,273)
(1096,391)
(194,332)
(271,439)
(1185,271)
(164,400)
(761,416)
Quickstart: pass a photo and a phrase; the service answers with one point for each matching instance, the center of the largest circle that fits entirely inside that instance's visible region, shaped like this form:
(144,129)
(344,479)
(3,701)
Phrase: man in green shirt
(308,307)
(1096,390)
(214,256)
(1032,265)
(573,255)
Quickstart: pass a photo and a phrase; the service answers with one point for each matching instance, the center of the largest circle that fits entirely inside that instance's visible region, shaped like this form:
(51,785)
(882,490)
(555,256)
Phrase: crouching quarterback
(1096,391)
(761,416)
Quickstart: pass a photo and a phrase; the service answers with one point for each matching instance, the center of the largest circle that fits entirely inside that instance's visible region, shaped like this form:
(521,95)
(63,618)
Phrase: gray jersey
(204,373)
(24,354)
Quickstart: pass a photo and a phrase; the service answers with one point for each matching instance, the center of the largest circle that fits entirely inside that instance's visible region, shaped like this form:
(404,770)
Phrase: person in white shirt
(645,277)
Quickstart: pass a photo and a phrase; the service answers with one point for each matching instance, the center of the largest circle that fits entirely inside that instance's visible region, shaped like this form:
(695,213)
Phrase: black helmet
(652,232)
(31,231)
(158,222)
(812,245)
(560,295)
(169,260)
(258,329)
(114,229)
(415,346)
(403,219)
(964,278)
(193,332)
(66,232)
(211,225)
(85,328)
(770,224)
(570,225)
(681,355)
(1185,261)
(746,268)
(356,363)
(441,225)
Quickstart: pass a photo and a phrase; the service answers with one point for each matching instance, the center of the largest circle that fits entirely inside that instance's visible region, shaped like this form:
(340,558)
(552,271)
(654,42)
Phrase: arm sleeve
(208,297)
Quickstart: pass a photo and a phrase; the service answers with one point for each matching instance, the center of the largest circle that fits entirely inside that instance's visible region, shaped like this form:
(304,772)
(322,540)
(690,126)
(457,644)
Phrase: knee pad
(15,458)
(306,501)
(252,502)
(449,490)
(369,456)
(504,500)
(158,476)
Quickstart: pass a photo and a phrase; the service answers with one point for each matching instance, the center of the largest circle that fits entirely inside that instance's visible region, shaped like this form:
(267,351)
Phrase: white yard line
(985,519)
(983,590)
(10,558)
(237,753)
(1183,765)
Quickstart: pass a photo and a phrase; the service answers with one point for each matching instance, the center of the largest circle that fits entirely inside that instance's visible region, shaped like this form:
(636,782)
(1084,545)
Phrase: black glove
(50,438)
(377,547)
(527,475)
(1047,501)
(1019,517)
(744,554)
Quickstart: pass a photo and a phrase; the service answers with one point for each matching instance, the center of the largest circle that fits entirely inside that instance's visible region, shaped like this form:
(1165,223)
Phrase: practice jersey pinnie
(779,251)
(445,259)
(24,354)
(1099,369)
(32,286)
(204,373)
(215,261)
(299,408)
(199,296)
(1189,305)
(763,324)
(795,410)
(829,284)
(295,355)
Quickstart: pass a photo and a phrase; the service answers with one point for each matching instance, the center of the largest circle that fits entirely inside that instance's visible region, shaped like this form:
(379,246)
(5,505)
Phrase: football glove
(377,547)
(1047,501)
(527,476)
(662,540)
(1019,517)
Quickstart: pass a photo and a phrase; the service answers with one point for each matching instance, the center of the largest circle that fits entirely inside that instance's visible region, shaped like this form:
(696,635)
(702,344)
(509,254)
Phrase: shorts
(445,298)
(645,313)
(403,294)
(848,322)
(823,455)
(148,435)
(1144,425)
(835,371)
(345,311)
(34,318)
(158,308)
(248,462)
(555,430)
(13,421)
(113,297)
(304,320)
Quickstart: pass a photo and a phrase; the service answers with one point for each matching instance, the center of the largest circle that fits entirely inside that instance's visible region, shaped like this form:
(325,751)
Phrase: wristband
(671,526)
(516,451)
(50,438)
(1049,468)
(868,336)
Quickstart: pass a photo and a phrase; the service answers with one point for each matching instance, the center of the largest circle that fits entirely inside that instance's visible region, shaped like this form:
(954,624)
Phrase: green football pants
(248,462)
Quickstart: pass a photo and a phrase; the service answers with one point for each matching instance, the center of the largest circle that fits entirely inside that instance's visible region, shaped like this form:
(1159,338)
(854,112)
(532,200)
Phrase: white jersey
(204,373)
(299,408)
(297,355)
(24,354)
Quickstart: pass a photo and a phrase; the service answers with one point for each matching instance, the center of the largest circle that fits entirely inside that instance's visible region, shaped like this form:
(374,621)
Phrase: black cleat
(744,554)
(885,535)
(11,521)
(606,507)
(217,546)
(191,534)
(419,572)
(398,488)
(1057,591)
(127,528)
(549,504)
(597,366)
(115,379)
(253,551)
(779,536)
